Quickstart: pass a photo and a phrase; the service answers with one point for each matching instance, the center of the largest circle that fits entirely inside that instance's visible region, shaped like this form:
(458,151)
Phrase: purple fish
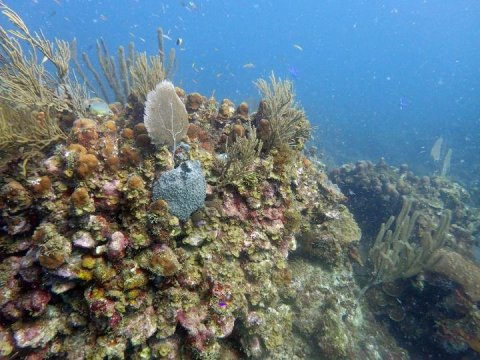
(292,70)
(403,103)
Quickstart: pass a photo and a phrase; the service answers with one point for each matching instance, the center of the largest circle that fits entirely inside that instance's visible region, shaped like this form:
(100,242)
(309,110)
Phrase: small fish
(298,47)
(44,60)
(196,68)
(189,5)
(219,75)
(103,17)
(403,103)
(248,66)
(293,71)
(179,42)
(98,107)
(167,37)
(142,39)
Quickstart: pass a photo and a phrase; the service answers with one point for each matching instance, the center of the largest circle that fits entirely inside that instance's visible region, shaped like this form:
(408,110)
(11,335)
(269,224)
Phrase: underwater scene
(240,179)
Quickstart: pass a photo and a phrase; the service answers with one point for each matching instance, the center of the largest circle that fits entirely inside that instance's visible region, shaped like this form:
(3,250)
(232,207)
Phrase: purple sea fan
(166,117)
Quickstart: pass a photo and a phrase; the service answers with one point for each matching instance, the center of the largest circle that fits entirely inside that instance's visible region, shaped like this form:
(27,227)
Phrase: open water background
(377,78)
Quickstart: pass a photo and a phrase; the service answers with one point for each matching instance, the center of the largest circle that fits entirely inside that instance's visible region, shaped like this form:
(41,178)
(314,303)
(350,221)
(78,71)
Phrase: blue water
(377,78)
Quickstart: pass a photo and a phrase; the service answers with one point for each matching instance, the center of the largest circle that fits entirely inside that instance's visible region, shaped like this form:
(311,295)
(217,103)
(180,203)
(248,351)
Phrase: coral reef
(114,248)
(221,241)
(432,303)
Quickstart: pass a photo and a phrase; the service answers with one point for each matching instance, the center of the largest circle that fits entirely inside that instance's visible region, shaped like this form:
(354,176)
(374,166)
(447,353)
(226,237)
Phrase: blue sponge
(183,188)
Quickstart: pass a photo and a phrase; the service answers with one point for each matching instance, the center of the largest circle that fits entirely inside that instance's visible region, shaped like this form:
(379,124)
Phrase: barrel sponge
(183,188)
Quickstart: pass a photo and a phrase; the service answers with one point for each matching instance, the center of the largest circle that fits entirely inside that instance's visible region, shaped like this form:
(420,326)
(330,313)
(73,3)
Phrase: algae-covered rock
(161,261)
(40,332)
(139,327)
(54,249)
(6,343)
(330,240)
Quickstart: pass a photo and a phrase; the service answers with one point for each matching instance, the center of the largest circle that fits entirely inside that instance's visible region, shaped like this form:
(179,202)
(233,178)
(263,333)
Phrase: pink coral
(83,239)
(234,206)
(116,246)
(35,302)
(192,320)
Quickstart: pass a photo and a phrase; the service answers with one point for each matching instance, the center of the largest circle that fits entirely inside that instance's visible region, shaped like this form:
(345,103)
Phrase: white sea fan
(165,117)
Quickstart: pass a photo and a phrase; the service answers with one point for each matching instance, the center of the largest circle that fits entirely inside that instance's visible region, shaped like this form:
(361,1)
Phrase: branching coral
(130,74)
(58,53)
(395,255)
(239,158)
(31,96)
(107,63)
(24,77)
(146,73)
(25,132)
(285,120)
